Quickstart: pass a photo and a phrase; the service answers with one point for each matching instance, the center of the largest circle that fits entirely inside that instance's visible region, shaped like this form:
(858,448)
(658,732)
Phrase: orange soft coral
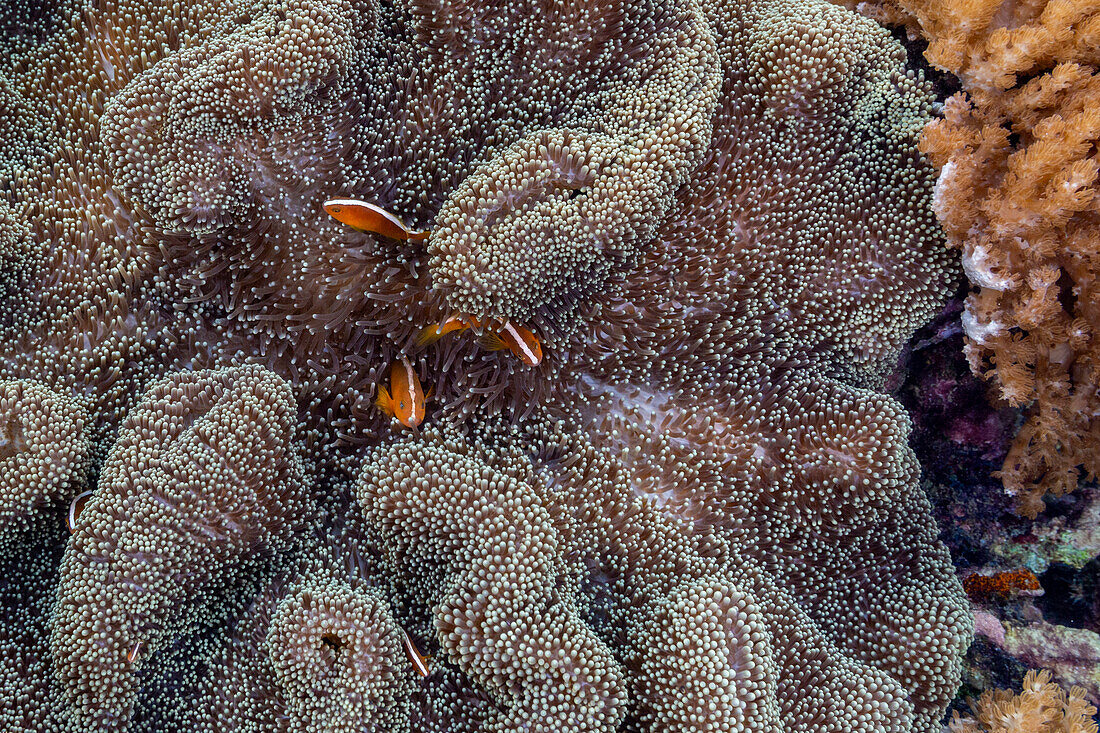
(988,44)
(1017,194)
(1041,707)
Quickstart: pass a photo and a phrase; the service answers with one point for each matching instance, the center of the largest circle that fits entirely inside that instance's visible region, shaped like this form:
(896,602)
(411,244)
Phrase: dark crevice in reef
(944,83)
(1068,506)
(1072,595)
(960,435)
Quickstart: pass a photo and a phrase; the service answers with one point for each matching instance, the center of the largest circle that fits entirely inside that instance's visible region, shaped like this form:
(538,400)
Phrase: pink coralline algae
(697,511)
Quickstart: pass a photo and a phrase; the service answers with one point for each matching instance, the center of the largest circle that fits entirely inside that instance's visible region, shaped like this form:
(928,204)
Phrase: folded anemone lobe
(546,222)
(317,647)
(43,450)
(180,138)
(335,654)
(501,615)
(794,245)
(738,486)
(44,462)
(203,480)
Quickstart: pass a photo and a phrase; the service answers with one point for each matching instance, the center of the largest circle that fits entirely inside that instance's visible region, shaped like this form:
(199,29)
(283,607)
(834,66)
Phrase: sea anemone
(697,511)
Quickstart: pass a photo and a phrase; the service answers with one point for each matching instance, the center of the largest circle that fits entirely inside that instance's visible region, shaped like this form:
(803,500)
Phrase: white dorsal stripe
(72,514)
(81,497)
(523,345)
(410,375)
(414,656)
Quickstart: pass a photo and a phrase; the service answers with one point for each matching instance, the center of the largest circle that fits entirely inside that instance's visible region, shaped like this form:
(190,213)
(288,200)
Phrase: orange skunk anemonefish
(372,219)
(419,661)
(405,398)
(515,339)
(76,506)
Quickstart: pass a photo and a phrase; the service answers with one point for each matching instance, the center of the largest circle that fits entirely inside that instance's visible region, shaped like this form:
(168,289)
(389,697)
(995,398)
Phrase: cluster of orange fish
(404,398)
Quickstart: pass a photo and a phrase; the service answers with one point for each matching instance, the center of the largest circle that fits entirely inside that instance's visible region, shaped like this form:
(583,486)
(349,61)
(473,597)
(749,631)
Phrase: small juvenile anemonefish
(133,655)
(76,506)
(419,661)
(405,398)
(516,339)
(372,219)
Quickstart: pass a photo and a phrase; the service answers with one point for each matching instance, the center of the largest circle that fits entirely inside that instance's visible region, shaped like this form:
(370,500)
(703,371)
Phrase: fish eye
(402,404)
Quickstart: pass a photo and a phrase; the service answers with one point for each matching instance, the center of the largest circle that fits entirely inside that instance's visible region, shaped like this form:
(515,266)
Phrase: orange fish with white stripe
(76,508)
(419,661)
(516,339)
(364,216)
(405,398)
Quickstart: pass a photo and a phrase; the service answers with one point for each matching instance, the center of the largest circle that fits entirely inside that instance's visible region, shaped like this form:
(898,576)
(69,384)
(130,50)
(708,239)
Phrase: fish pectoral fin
(491,342)
(429,393)
(384,402)
(428,335)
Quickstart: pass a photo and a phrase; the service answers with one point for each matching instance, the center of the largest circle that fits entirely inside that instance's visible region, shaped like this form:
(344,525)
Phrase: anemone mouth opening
(332,642)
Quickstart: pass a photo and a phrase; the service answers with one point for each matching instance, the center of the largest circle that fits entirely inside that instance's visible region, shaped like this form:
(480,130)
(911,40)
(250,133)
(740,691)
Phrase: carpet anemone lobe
(697,512)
